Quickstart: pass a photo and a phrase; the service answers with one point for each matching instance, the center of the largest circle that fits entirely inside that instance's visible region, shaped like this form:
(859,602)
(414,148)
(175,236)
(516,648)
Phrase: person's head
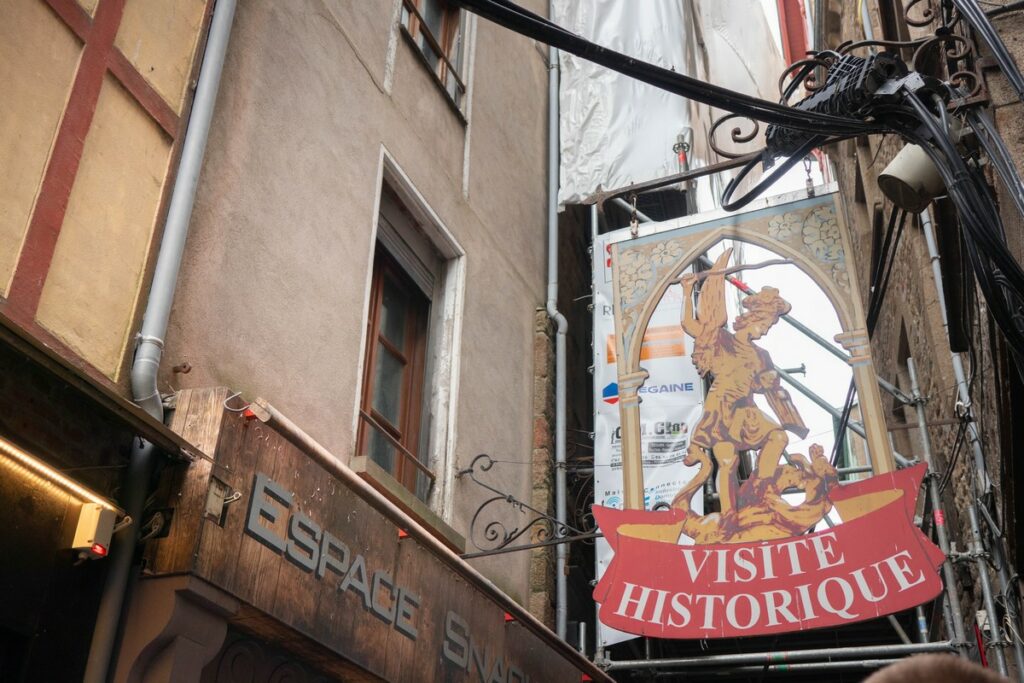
(934,669)
(763,310)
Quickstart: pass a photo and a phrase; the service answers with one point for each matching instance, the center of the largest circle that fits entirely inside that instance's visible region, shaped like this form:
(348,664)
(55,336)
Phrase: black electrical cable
(970,195)
(1005,9)
(531,25)
(879,290)
(796,81)
(972,199)
(980,22)
(844,420)
(999,276)
(999,155)
(958,443)
(732,205)
(970,313)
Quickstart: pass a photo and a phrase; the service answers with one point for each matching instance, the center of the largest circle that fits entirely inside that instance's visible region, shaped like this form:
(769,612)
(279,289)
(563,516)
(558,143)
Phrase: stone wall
(542,560)
(910,323)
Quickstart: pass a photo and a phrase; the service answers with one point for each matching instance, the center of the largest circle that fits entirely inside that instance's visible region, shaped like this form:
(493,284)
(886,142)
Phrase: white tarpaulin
(672,401)
(614,130)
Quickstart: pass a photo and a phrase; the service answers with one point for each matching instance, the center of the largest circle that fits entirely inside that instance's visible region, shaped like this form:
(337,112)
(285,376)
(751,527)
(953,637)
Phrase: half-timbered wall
(94,96)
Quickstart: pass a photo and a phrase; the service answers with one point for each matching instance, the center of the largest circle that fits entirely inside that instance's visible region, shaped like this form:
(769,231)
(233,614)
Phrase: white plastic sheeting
(614,130)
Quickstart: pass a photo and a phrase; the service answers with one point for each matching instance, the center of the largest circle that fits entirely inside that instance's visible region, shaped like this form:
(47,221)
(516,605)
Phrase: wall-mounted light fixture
(41,469)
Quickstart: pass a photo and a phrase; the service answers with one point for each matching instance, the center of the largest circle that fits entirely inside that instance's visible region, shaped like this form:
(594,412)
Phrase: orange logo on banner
(659,342)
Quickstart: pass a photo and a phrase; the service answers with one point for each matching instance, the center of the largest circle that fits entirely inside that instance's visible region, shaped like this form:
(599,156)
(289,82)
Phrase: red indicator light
(99,550)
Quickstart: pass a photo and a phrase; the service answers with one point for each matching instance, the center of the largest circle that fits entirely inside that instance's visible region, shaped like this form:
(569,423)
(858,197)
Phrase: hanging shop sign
(751,568)
(875,563)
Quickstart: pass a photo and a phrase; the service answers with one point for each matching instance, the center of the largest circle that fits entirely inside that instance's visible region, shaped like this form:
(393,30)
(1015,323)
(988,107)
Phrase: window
(435,27)
(405,409)
(404,383)
(393,385)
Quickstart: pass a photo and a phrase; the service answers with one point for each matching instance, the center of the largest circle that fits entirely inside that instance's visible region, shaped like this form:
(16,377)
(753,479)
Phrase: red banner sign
(874,563)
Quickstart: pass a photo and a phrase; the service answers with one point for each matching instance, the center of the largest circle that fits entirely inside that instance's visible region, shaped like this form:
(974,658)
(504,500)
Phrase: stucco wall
(272,296)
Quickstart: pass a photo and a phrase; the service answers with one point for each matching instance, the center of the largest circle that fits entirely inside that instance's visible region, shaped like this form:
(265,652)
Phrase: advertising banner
(671,405)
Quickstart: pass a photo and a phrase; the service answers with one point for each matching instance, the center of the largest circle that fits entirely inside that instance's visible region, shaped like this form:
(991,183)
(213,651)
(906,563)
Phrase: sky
(826,375)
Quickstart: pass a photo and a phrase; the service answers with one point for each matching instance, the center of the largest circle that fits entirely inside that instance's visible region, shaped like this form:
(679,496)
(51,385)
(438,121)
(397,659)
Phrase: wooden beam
(55,189)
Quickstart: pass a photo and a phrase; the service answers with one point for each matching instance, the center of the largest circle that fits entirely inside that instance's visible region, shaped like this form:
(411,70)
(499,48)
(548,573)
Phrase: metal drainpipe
(981,475)
(151,340)
(595,230)
(562,326)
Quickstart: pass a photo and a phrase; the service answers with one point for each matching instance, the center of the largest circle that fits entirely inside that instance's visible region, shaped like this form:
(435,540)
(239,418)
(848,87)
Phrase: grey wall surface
(272,297)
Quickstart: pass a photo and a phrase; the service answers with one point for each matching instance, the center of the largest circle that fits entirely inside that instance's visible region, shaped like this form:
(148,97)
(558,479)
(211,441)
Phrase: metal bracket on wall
(492,534)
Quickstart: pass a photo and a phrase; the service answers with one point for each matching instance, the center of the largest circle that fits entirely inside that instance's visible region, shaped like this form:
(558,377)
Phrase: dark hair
(935,669)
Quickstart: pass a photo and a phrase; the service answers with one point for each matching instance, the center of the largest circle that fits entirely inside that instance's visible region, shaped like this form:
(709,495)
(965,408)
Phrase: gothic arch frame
(817,248)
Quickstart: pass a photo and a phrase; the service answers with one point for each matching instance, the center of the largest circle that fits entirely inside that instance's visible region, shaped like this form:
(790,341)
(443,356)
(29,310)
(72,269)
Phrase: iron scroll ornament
(489,535)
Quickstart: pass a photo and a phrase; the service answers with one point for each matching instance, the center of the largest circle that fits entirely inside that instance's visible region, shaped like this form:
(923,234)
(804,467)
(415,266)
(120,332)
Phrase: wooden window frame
(416,27)
(404,437)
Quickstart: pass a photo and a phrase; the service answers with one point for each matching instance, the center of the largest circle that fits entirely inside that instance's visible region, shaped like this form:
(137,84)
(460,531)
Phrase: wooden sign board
(325,573)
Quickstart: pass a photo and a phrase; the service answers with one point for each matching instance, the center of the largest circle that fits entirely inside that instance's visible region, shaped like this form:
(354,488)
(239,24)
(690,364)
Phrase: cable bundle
(534,26)
(999,276)
(902,105)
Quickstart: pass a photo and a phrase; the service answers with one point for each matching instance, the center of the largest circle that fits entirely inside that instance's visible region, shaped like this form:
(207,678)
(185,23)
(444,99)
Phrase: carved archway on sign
(808,233)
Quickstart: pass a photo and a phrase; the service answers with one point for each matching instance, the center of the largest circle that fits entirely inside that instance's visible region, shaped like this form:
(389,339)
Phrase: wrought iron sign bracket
(493,533)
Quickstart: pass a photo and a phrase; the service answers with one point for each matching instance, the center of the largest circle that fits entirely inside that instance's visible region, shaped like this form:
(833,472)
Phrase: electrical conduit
(561,327)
